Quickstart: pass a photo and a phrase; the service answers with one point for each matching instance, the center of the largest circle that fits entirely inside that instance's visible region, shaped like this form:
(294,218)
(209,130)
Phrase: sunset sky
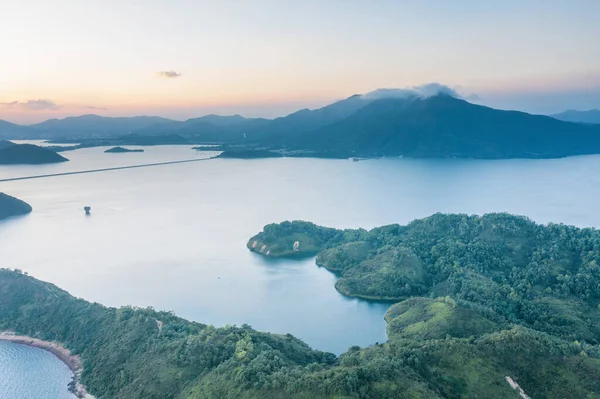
(186,58)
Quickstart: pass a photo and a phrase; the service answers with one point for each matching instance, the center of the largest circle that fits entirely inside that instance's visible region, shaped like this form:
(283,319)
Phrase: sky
(187,58)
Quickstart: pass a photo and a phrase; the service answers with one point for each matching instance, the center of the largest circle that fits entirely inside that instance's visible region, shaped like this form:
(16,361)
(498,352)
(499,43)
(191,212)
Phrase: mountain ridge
(425,122)
(571,115)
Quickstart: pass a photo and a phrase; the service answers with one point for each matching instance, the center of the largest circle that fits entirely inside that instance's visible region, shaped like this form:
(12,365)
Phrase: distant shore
(72,361)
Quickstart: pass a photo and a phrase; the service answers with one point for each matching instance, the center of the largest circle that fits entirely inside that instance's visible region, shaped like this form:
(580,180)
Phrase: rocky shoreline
(72,361)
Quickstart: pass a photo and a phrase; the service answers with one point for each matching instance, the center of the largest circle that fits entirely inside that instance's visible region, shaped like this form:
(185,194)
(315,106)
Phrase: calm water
(32,373)
(174,236)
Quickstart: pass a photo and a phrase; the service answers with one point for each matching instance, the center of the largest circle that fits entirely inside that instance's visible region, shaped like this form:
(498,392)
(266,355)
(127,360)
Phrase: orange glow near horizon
(267,58)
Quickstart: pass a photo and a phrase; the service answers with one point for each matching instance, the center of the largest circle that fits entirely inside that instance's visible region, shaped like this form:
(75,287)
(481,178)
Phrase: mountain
(94,126)
(16,154)
(425,122)
(11,206)
(235,129)
(209,128)
(445,126)
(305,119)
(11,131)
(591,116)
(219,120)
(281,131)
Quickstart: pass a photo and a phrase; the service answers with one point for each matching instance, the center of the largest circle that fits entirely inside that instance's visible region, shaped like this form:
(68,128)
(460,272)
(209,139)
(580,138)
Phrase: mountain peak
(422,91)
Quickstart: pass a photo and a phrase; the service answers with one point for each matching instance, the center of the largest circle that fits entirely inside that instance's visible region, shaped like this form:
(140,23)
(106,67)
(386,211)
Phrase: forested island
(18,154)
(11,206)
(486,306)
(119,150)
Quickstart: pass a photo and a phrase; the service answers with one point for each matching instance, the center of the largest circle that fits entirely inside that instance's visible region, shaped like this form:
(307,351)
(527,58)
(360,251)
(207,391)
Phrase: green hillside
(482,301)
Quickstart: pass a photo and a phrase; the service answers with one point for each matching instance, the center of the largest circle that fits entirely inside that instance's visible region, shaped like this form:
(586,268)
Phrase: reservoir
(173,237)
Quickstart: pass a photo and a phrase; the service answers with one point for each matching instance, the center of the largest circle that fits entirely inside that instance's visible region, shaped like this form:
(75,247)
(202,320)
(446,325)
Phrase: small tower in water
(87,210)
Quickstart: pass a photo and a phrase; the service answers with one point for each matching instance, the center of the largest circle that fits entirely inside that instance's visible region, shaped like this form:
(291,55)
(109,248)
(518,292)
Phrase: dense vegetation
(498,276)
(142,353)
(11,206)
(13,154)
(480,299)
(544,277)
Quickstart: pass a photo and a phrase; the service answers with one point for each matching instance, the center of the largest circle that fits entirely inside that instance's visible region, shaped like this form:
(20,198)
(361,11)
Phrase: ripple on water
(32,373)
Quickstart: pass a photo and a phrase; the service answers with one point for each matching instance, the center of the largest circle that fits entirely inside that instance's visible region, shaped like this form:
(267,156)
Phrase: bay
(173,236)
(32,373)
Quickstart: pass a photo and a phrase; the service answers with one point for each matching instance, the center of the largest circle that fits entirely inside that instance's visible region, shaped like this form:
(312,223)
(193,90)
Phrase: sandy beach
(72,361)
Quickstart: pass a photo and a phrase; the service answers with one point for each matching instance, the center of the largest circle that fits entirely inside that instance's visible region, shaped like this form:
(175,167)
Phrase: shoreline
(73,362)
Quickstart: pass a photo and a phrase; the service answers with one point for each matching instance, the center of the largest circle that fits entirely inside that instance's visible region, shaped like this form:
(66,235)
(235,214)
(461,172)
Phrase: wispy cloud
(97,108)
(168,74)
(32,105)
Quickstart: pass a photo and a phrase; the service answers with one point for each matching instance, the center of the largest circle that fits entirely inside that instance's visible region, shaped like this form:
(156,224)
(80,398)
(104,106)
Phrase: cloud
(97,108)
(422,91)
(32,105)
(168,74)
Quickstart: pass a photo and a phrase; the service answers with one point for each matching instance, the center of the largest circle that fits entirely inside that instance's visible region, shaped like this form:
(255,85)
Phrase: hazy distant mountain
(237,129)
(591,116)
(219,120)
(444,126)
(206,128)
(13,131)
(19,154)
(91,126)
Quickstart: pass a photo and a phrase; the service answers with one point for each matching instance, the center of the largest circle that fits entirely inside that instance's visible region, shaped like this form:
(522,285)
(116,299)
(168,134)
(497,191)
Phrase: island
(20,154)
(492,306)
(11,206)
(118,150)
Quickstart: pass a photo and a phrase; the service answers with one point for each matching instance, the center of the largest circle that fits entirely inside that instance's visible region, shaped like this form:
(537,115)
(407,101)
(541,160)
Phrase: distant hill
(11,206)
(591,116)
(11,131)
(14,154)
(94,126)
(444,126)
(219,120)
(237,129)
(209,128)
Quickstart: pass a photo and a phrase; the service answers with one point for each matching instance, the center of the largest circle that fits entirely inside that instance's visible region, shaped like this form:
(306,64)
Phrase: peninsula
(15,154)
(11,206)
(518,270)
